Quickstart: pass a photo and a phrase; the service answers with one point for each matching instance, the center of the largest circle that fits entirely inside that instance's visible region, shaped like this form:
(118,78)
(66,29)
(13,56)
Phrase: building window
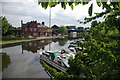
(48,30)
(34,34)
(31,29)
(25,29)
(41,33)
(34,29)
(25,34)
(39,29)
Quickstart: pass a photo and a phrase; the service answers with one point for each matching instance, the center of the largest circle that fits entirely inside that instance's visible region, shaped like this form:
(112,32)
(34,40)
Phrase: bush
(58,75)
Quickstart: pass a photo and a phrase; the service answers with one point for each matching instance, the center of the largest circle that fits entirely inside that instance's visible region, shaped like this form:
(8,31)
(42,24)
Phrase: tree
(100,58)
(94,23)
(18,27)
(5,25)
(62,30)
(10,27)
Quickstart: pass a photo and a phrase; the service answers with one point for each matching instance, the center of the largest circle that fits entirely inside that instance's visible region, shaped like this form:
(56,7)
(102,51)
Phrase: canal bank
(27,40)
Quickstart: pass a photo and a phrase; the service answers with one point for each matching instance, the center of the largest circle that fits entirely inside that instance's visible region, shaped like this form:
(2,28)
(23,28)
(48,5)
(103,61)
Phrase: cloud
(18,0)
(28,10)
(24,65)
(15,12)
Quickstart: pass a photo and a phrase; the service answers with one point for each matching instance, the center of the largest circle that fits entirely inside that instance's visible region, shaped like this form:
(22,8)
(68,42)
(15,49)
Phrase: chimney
(43,23)
(21,21)
(35,21)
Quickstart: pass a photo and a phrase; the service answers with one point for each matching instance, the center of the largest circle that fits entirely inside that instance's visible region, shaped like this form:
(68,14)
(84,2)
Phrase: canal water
(24,57)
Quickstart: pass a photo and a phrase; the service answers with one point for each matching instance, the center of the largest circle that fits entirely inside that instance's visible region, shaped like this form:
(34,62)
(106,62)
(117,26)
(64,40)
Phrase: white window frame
(35,29)
(35,34)
(25,29)
(31,29)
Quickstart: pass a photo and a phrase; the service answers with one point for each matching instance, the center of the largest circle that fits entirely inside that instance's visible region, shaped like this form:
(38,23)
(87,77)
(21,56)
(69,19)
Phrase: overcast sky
(29,10)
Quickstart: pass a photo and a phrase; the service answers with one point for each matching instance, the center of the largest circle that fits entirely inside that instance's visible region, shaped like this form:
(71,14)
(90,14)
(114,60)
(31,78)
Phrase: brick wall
(34,31)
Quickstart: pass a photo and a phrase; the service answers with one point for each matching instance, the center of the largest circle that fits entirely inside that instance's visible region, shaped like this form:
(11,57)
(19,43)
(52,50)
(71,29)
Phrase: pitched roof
(34,24)
(42,26)
(54,27)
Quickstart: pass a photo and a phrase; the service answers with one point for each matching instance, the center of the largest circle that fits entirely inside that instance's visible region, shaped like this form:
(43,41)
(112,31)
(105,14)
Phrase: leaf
(71,7)
(99,4)
(50,4)
(105,5)
(86,18)
(85,3)
(70,3)
(54,4)
(44,4)
(63,5)
(76,3)
(90,10)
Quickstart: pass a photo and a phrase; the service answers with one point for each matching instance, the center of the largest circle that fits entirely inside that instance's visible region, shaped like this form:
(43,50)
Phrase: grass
(15,41)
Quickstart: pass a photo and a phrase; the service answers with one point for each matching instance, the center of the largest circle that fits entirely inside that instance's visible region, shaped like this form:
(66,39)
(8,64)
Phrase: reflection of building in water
(36,45)
(73,34)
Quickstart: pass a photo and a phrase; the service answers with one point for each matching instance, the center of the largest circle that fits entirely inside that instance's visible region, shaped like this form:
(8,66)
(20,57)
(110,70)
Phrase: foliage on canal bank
(5,25)
(101,57)
(59,75)
(5,60)
(15,41)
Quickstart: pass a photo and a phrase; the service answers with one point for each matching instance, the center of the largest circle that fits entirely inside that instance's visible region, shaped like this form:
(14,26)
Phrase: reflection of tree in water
(35,45)
(62,42)
(5,60)
(55,40)
(10,45)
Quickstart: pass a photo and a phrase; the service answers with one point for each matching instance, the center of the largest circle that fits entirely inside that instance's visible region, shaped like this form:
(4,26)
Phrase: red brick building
(35,29)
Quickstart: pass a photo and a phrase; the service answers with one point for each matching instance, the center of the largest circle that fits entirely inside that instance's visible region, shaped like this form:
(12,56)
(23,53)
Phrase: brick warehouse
(35,29)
